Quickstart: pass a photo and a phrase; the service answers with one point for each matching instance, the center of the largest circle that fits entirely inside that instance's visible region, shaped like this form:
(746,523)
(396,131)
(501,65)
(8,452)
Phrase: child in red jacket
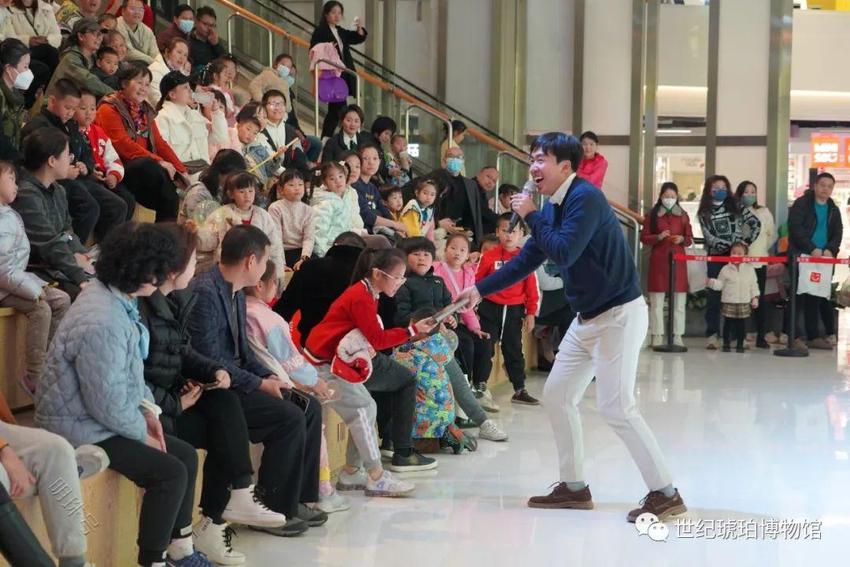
(507,314)
(376,272)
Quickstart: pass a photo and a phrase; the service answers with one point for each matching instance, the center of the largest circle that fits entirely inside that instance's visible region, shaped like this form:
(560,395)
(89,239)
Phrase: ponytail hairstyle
(371,259)
(653,213)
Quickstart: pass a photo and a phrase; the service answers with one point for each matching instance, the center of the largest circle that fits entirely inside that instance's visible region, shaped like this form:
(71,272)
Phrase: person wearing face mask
(34,24)
(667,230)
(274,78)
(747,199)
(182,24)
(175,58)
(459,202)
(723,224)
(16,78)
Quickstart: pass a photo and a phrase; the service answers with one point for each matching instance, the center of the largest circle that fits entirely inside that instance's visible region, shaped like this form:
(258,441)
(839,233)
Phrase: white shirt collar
(347,140)
(559,195)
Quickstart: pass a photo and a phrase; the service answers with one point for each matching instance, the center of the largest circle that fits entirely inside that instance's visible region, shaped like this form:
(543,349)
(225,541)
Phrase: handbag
(332,88)
(697,271)
(815,279)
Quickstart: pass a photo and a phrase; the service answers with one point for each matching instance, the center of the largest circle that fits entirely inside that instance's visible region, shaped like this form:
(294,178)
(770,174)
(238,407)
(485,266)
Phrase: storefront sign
(826,150)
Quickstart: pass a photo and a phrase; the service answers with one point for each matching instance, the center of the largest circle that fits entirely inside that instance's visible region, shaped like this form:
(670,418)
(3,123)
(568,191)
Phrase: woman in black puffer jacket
(199,408)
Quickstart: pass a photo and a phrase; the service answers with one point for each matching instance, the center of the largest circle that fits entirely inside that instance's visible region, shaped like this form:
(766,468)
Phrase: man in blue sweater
(578,231)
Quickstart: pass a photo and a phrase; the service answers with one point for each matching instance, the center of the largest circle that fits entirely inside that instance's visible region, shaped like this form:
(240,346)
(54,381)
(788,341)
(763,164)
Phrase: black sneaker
(412,463)
(523,397)
(313,517)
(293,527)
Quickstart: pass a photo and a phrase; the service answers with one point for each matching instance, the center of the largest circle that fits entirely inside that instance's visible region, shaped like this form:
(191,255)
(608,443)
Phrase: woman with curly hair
(93,389)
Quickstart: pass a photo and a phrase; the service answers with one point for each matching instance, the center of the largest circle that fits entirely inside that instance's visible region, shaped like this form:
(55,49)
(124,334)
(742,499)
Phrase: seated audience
(107,22)
(458,134)
(77,63)
(204,41)
(261,160)
(175,57)
(182,127)
(273,78)
(198,406)
(382,131)
(331,218)
(42,304)
(399,166)
(57,255)
(377,272)
(291,435)
(350,137)
(312,145)
(460,204)
(37,461)
(34,23)
(89,398)
(269,337)
(109,207)
(106,65)
(71,11)
(17,77)
(205,196)
(180,27)
(239,209)
(393,200)
(141,41)
(352,198)
(151,167)
(375,215)
(418,214)
(277,134)
(219,76)
(117,42)
(295,219)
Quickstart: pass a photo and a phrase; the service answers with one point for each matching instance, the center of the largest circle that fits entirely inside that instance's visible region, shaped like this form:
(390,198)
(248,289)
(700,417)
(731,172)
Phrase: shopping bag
(332,88)
(697,272)
(815,279)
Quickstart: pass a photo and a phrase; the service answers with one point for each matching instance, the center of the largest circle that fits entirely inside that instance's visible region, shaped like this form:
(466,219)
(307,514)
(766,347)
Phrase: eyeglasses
(399,279)
(275,104)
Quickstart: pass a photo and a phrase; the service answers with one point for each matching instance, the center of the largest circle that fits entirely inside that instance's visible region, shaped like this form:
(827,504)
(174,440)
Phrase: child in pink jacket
(458,276)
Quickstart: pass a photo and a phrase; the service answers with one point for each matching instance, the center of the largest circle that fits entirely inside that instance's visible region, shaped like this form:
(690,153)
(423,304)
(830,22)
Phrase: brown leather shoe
(563,497)
(663,507)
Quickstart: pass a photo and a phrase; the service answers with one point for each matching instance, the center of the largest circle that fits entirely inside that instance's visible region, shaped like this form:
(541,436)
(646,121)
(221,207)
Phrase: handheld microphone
(527,189)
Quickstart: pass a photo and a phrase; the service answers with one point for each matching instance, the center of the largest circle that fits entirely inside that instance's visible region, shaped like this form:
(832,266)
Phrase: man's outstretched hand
(471,295)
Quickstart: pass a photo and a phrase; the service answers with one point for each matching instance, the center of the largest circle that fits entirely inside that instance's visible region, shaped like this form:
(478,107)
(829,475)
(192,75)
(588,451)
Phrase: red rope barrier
(730,259)
(822,260)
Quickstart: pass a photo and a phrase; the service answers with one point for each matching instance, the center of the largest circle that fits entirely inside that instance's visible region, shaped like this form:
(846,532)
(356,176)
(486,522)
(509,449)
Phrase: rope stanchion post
(671,281)
(791,350)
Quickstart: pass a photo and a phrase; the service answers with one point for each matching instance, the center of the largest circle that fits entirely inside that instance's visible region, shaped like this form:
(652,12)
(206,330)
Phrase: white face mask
(668,203)
(23,80)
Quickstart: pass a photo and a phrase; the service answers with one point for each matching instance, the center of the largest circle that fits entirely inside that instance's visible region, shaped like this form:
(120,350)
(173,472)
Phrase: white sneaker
(487,402)
(677,341)
(771,338)
(711,343)
(352,481)
(388,486)
(657,340)
(490,431)
(334,502)
(246,508)
(91,460)
(213,540)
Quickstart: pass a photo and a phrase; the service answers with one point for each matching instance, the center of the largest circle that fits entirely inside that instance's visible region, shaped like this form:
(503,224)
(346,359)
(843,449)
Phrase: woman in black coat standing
(329,31)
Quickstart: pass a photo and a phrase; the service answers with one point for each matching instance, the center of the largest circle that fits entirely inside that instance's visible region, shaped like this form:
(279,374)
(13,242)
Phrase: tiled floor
(749,437)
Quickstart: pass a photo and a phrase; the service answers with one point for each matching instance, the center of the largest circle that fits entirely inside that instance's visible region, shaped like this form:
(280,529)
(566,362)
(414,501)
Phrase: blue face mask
(186,25)
(290,80)
(719,194)
(283,71)
(454,165)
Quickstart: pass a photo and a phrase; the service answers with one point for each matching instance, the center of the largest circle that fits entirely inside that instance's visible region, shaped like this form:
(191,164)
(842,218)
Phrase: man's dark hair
(271,93)
(242,241)
(182,8)
(824,175)
(562,146)
(417,244)
(41,145)
(507,188)
(382,124)
(134,254)
(349,238)
(205,11)
(64,88)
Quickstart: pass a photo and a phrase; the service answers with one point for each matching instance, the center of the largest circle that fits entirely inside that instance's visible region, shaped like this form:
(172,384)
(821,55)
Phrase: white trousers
(607,347)
(657,321)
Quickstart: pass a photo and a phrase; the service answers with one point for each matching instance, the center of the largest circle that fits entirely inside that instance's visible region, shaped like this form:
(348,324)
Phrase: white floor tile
(749,437)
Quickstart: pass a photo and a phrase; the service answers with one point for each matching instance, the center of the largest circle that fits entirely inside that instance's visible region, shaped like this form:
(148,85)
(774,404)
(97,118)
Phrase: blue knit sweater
(583,237)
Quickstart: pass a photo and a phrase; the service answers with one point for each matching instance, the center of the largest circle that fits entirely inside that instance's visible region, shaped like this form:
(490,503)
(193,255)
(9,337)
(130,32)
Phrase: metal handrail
(446,120)
(316,87)
(503,154)
(230,34)
(633,224)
